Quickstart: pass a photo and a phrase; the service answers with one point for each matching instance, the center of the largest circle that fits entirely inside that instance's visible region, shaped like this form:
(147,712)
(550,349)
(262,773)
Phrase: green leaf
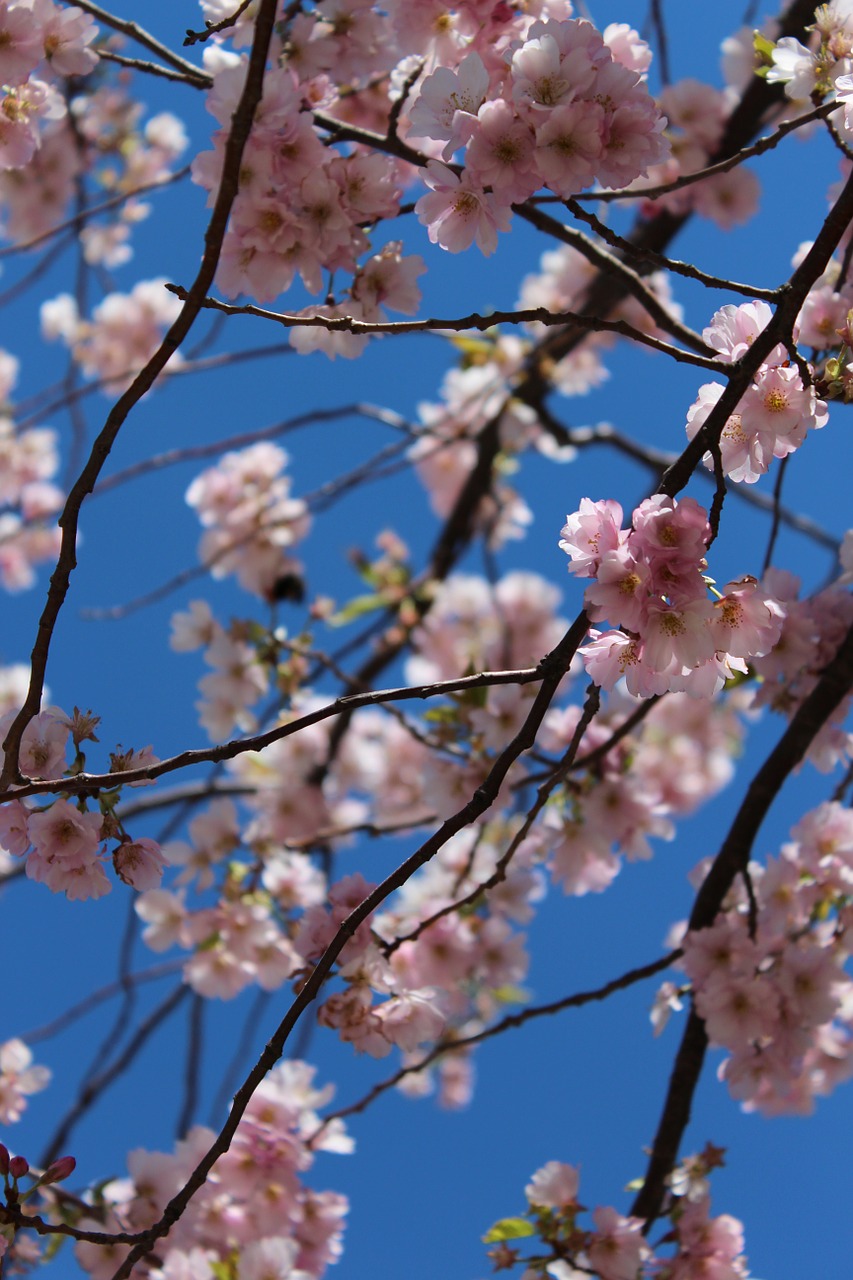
(357,608)
(509,1229)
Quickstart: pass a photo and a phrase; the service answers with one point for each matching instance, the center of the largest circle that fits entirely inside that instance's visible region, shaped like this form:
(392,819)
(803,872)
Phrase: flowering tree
(410,746)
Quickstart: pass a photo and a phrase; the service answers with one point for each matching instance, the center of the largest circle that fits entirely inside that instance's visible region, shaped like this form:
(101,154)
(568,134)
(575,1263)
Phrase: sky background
(585,1088)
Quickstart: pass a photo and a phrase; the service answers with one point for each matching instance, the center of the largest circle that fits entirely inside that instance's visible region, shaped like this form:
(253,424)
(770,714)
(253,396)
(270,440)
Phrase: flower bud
(60,1169)
(4,1159)
(18,1166)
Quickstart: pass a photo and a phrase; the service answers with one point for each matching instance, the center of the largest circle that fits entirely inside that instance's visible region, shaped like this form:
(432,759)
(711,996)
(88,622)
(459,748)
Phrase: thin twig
(241,126)
(510,1022)
(143,37)
(152,69)
(213,28)
(456,324)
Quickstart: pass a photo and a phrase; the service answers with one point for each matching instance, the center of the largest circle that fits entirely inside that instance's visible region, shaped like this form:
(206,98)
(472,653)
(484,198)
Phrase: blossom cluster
(678,758)
(774,992)
(822,68)
(614,1247)
(28,500)
(696,115)
(64,843)
(559,110)
(254,1210)
(773,414)
(650,582)
(252,522)
(37,36)
(811,634)
(121,337)
(302,206)
(18,1079)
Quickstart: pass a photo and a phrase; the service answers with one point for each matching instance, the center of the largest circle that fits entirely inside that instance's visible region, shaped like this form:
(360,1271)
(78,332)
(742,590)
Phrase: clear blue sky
(585,1088)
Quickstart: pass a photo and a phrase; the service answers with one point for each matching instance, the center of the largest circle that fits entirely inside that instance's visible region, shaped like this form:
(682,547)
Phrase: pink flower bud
(4,1159)
(18,1166)
(60,1169)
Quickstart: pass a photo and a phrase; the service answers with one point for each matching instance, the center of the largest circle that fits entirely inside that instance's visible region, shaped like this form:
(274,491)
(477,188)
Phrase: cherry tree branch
(554,667)
(732,860)
(213,28)
(90,783)
(196,75)
(238,136)
(511,1022)
(524,315)
(758,148)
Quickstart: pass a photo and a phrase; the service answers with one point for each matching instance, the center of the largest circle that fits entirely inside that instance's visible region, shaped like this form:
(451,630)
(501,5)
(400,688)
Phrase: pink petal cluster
(29,502)
(780,1001)
(696,117)
(811,634)
(678,758)
(18,1079)
(559,111)
(252,522)
(773,415)
(649,581)
(124,332)
(37,36)
(254,1212)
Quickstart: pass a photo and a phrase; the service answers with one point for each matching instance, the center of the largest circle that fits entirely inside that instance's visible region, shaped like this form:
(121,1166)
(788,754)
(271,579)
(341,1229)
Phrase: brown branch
(94,1088)
(758,148)
(554,666)
(241,126)
(153,69)
(48,1029)
(212,28)
(89,783)
(497,877)
(663,263)
(510,1022)
(524,315)
(92,211)
(143,37)
(195,453)
(733,858)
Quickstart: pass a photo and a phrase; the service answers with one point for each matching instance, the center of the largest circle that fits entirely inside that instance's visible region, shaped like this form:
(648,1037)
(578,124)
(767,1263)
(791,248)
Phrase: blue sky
(586,1087)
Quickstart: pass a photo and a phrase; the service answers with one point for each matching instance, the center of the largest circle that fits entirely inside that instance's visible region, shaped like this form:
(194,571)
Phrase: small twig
(660,33)
(152,69)
(456,324)
(77,1011)
(192,1068)
(510,1022)
(497,877)
(93,211)
(212,28)
(96,1086)
(758,148)
(143,37)
(777,514)
(686,269)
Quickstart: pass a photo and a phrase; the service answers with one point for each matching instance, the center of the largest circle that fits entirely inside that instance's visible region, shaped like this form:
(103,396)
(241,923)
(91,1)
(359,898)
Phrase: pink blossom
(500,153)
(20,42)
(14,836)
(448,102)
(618,1247)
(593,530)
(139,863)
(63,832)
(457,213)
(554,1186)
(570,145)
(747,622)
(18,1079)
